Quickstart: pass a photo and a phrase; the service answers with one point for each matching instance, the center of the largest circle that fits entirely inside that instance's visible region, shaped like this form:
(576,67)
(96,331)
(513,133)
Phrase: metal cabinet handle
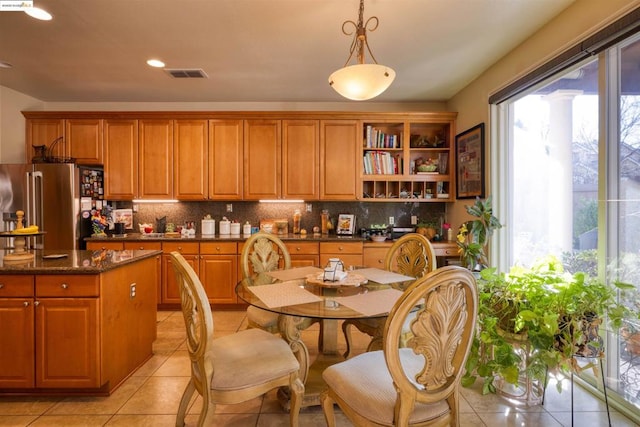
(180,248)
(36,303)
(1,285)
(298,249)
(218,248)
(26,303)
(64,286)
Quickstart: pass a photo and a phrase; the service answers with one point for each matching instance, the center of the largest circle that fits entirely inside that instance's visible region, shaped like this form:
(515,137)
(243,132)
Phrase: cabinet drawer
(68,286)
(190,248)
(302,248)
(16,286)
(374,257)
(116,246)
(340,248)
(450,250)
(214,248)
(132,246)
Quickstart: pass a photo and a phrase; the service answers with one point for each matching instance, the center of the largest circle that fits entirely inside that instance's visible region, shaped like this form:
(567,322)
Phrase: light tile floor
(150,396)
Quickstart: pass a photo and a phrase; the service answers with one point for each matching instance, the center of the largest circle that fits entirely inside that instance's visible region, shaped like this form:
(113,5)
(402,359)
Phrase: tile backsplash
(365,213)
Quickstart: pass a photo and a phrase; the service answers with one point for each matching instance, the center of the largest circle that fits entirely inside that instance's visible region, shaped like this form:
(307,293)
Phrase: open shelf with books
(408,156)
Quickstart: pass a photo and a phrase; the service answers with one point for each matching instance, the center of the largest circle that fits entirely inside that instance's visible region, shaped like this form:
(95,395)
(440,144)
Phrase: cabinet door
(16,341)
(155,161)
(225,159)
(120,159)
(67,343)
(339,151)
(170,290)
(374,257)
(97,245)
(262,160)
(190,160)
(303,254)
(83,141)
(300,159)
(218,274)
(44,132)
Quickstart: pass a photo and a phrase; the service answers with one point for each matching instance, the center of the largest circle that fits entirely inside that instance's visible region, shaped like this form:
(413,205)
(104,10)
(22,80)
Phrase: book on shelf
(381,163)
(375,138)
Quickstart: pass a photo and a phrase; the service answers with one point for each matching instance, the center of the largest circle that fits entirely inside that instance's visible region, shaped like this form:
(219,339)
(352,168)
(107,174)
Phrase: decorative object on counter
(99,222)
(119,229)
(316,231)
(378,238)
(428,230)
(208,225)
(20,253)
(346,224)
(235,228)
(145,228)
(225,226)
(324,221)
(171,227)
(246,228)
(189,229)
(281,226)
(296,221)
(161,224)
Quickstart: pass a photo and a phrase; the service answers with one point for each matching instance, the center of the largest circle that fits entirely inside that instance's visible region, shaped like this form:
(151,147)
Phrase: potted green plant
(554,312)
(474,235)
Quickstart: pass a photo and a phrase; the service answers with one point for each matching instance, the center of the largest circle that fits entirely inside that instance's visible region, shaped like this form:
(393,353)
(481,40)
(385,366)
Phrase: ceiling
(255,50)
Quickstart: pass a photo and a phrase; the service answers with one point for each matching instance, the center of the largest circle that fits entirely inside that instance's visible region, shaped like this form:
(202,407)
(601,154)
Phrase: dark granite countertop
(229,237)
(75,262)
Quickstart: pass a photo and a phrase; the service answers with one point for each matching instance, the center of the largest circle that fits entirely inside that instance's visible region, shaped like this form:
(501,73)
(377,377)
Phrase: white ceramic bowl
(377,238)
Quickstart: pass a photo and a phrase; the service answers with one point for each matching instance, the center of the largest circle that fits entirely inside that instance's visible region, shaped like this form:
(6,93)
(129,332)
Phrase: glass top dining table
(295,297)
(313,297)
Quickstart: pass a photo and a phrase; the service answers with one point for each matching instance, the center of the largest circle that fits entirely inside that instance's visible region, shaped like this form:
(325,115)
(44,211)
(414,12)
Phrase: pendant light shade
(361,81)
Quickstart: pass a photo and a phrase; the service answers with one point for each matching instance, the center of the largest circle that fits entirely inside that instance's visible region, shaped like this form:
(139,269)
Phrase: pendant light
(361,81)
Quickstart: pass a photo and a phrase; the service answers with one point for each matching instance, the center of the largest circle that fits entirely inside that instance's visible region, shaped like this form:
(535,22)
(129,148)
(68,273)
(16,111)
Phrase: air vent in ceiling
(194,73)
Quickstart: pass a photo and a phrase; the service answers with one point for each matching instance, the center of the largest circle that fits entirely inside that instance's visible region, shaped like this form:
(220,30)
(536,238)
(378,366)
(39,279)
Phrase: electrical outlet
(135,207)
(132,291)
(414,220)
(229,207)
(392,220)
(309,207)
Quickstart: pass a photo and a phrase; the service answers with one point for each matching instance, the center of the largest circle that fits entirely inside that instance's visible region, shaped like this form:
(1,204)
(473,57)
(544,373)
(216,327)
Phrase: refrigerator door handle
(34,202)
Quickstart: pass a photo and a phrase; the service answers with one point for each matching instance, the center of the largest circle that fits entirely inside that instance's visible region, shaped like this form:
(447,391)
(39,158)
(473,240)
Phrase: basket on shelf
(44,154)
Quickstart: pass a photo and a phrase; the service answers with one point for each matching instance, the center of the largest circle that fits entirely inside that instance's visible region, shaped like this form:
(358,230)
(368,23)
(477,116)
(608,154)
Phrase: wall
(582,18)
(12,123)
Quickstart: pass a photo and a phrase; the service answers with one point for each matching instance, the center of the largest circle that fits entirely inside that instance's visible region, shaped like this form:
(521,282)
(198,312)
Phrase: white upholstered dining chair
(418,384)
(234,368)
(411,255)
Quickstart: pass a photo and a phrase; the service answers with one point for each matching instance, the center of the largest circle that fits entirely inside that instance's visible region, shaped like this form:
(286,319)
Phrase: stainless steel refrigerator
(49,194)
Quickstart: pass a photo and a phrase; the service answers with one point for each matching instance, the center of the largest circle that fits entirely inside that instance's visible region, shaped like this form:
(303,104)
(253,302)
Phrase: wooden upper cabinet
(155,162)
(120,159)
(190,148)
(83,141)
(44,132)
(262,160)
(339,151)
(300,159)
(225,159)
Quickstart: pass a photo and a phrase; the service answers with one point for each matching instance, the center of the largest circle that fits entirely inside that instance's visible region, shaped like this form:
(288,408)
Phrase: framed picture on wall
(346,224)
(470,163)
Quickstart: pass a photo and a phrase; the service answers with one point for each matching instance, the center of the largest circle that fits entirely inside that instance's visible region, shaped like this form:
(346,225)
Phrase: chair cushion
(262,318)
(365,384)
(250,357)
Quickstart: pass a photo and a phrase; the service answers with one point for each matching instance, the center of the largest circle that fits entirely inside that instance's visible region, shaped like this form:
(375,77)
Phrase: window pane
(555,168)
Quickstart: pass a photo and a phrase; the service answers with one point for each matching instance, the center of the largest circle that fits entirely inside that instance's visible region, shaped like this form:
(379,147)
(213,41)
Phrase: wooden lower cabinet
(350,253)
(17,318)
(189,250)
(81,332)
(97,246)
(219,271)
(67,345)
(304,253)
(373,256)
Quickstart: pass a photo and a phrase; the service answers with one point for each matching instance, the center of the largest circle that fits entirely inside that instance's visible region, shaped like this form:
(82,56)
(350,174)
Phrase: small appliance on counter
(390,232)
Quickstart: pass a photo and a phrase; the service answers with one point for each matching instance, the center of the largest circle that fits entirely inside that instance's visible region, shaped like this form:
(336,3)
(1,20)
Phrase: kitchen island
(76,322)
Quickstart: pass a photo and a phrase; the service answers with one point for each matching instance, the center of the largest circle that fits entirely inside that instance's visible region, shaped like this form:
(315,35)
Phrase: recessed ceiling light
(36,12)
(5,65)
(155,63)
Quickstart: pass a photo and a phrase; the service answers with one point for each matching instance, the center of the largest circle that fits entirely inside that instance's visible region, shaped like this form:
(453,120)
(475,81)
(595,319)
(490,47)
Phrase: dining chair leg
(327,408)
(184,403)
